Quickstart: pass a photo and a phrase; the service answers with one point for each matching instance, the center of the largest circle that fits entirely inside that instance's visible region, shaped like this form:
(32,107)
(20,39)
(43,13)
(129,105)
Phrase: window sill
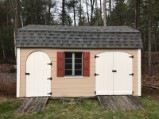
(73,77)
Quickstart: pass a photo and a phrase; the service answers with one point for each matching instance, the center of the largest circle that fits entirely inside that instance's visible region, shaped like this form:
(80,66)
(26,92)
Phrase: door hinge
(94,92)
(131,74)
(131,56)
(27,73)
(96,56)
(96,74)
(50,93)
(49,78)
(49,64)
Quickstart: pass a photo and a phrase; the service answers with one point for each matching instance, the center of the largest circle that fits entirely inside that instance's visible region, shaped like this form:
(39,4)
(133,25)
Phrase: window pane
(78,72)
(78,66)
(68,55)
(68,61)
(68,72)
(78,60)
(78,55)
(73,65)
(68,66)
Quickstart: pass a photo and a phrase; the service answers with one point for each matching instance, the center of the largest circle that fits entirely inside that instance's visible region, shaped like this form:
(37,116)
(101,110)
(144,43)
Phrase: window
(73,64)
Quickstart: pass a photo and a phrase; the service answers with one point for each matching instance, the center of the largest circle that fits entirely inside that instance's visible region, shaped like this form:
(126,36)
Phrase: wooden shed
(78,61)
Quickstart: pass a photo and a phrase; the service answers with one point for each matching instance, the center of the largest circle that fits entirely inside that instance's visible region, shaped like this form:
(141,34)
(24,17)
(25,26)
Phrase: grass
(88,109)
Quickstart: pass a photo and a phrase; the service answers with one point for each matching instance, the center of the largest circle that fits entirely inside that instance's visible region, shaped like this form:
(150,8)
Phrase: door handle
(114,70)
(27,73)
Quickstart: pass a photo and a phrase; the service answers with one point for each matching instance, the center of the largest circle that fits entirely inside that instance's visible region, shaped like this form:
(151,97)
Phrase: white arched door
(114,73)
(38,75)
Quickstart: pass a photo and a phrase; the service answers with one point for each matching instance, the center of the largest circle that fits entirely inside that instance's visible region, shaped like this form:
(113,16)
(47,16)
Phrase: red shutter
(60,64)
(86,64)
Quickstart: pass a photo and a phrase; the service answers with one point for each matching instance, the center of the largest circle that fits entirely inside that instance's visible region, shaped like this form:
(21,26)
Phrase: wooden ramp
(33,104)
(119,103)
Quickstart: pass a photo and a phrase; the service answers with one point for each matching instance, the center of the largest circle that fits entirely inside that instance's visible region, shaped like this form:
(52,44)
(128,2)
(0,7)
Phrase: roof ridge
(60,28)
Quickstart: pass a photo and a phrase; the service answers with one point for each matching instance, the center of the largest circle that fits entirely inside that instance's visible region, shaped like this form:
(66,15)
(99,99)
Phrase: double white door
(114,73)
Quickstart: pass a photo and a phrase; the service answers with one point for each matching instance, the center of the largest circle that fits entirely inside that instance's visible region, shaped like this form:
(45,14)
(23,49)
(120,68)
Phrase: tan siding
(77,86)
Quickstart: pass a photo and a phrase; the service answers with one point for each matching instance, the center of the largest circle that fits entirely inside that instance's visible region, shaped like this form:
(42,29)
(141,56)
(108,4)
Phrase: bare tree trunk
(156,49)
(63,12)
(92,8)
(36,20)
(15,6)
(110,6)
(96,4)
(80,12)
(4,56)
(104,13)
(74,12)
(7,19)
(137,13)
(97,17)
(155,34)
(49,13)
(149,46)
(46,20)
(100,10)
(21,19)
(87,11)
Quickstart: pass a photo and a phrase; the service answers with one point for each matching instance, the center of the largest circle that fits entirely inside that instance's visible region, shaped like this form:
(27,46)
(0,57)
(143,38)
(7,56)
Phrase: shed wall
(73,86)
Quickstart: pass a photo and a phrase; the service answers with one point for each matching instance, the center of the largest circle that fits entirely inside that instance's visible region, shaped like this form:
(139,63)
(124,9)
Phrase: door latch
(27,73)
(114,70)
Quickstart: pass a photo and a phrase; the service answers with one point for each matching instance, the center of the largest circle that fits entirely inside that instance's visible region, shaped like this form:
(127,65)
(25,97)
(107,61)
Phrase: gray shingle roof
(78,37)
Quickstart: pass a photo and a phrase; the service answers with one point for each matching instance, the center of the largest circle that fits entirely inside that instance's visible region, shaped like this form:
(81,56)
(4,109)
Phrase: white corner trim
(139,72)
(18,73)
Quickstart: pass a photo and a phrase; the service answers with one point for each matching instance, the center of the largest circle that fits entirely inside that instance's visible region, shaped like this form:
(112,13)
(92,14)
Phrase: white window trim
(18,73)
(73,77)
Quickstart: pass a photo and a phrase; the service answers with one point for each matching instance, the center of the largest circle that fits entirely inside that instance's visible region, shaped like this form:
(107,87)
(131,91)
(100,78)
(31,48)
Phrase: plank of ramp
(21,107)
(135,103)
(33,104)
(41,106)
(119,103)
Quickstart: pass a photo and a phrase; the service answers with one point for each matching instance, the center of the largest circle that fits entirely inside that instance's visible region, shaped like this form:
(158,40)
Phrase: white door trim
(18,73)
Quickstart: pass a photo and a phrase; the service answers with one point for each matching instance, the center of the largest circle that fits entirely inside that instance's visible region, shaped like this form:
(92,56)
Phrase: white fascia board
(139,72)
(18,73)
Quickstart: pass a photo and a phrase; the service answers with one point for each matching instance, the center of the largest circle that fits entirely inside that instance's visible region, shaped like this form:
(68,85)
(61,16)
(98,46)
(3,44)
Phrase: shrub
(7,88)
(12,70)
